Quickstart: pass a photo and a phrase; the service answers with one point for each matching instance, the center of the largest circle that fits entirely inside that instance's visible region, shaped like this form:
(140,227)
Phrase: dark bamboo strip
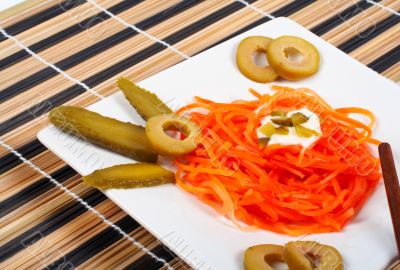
(282,12)
(48,226)
(147,263)
(100,77)
(36,189)
(369,34)
(95,244)
(66,33)
(41,17)
(77,58)
(386,61)
(340,18)
(64,239)
(29,150)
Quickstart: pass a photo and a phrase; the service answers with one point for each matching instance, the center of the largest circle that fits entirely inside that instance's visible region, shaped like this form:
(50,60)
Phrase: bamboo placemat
(41,226)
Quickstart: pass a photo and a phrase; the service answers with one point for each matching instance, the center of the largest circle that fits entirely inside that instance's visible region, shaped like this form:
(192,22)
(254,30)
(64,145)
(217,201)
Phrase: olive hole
(176,130)
(275,261)
(293,55)
(260,58)
(314,259)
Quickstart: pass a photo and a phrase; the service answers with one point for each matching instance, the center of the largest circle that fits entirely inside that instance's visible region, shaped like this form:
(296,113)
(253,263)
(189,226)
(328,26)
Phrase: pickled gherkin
(129,176)
(125,138)
(146,103)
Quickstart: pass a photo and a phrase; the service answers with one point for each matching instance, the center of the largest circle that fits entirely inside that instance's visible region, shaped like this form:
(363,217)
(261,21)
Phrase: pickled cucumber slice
(299,118)
(268,130)
(283,121)
(309,255)
(304,132)
(262,256)
(125,138)
(282,131)
(280,113)
(263,141)
(245,61)
(166,145)
(279,52)
(146,103)
(129,176)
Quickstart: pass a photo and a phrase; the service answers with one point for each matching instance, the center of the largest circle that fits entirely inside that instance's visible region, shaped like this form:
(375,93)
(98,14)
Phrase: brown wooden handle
(392,188)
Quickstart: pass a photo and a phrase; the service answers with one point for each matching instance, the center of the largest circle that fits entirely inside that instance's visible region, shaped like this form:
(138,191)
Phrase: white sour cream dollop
(292,138)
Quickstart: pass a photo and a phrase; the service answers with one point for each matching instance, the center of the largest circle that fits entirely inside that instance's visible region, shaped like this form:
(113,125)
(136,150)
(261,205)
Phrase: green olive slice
(309,255)
(279,57)
(245,59)
(164,144)
(262,256)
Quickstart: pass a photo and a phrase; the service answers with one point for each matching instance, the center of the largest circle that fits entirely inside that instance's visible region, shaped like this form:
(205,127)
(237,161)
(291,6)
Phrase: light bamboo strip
(119,254)
(43,212)
(40,200)
(80,41)
(320,11)
(228,25)
(52,26)
(71,236)
(393,73)
(386,42)
(80,229)
(357,24)
(100,62)
(178,264)
(13,181)
(24,10)
(395,266)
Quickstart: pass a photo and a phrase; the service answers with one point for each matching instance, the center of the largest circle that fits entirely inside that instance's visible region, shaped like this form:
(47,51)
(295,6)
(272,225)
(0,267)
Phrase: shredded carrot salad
(281,188)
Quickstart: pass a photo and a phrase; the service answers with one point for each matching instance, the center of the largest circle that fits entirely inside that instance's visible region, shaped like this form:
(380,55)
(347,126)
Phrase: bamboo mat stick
(80,41)
(53,25)
(72,235)
(319,11)
(46,210)
(393,73)
(87,68)
(112,256)
(356,25)
(23,10)
(15,180)
(78,230)
(385,43)
(38,201)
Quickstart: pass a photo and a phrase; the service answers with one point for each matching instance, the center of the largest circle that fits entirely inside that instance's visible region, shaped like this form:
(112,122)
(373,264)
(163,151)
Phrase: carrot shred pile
(282,188)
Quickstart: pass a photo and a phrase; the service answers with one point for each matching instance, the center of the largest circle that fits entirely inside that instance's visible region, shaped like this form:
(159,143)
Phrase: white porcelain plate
(193,230)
